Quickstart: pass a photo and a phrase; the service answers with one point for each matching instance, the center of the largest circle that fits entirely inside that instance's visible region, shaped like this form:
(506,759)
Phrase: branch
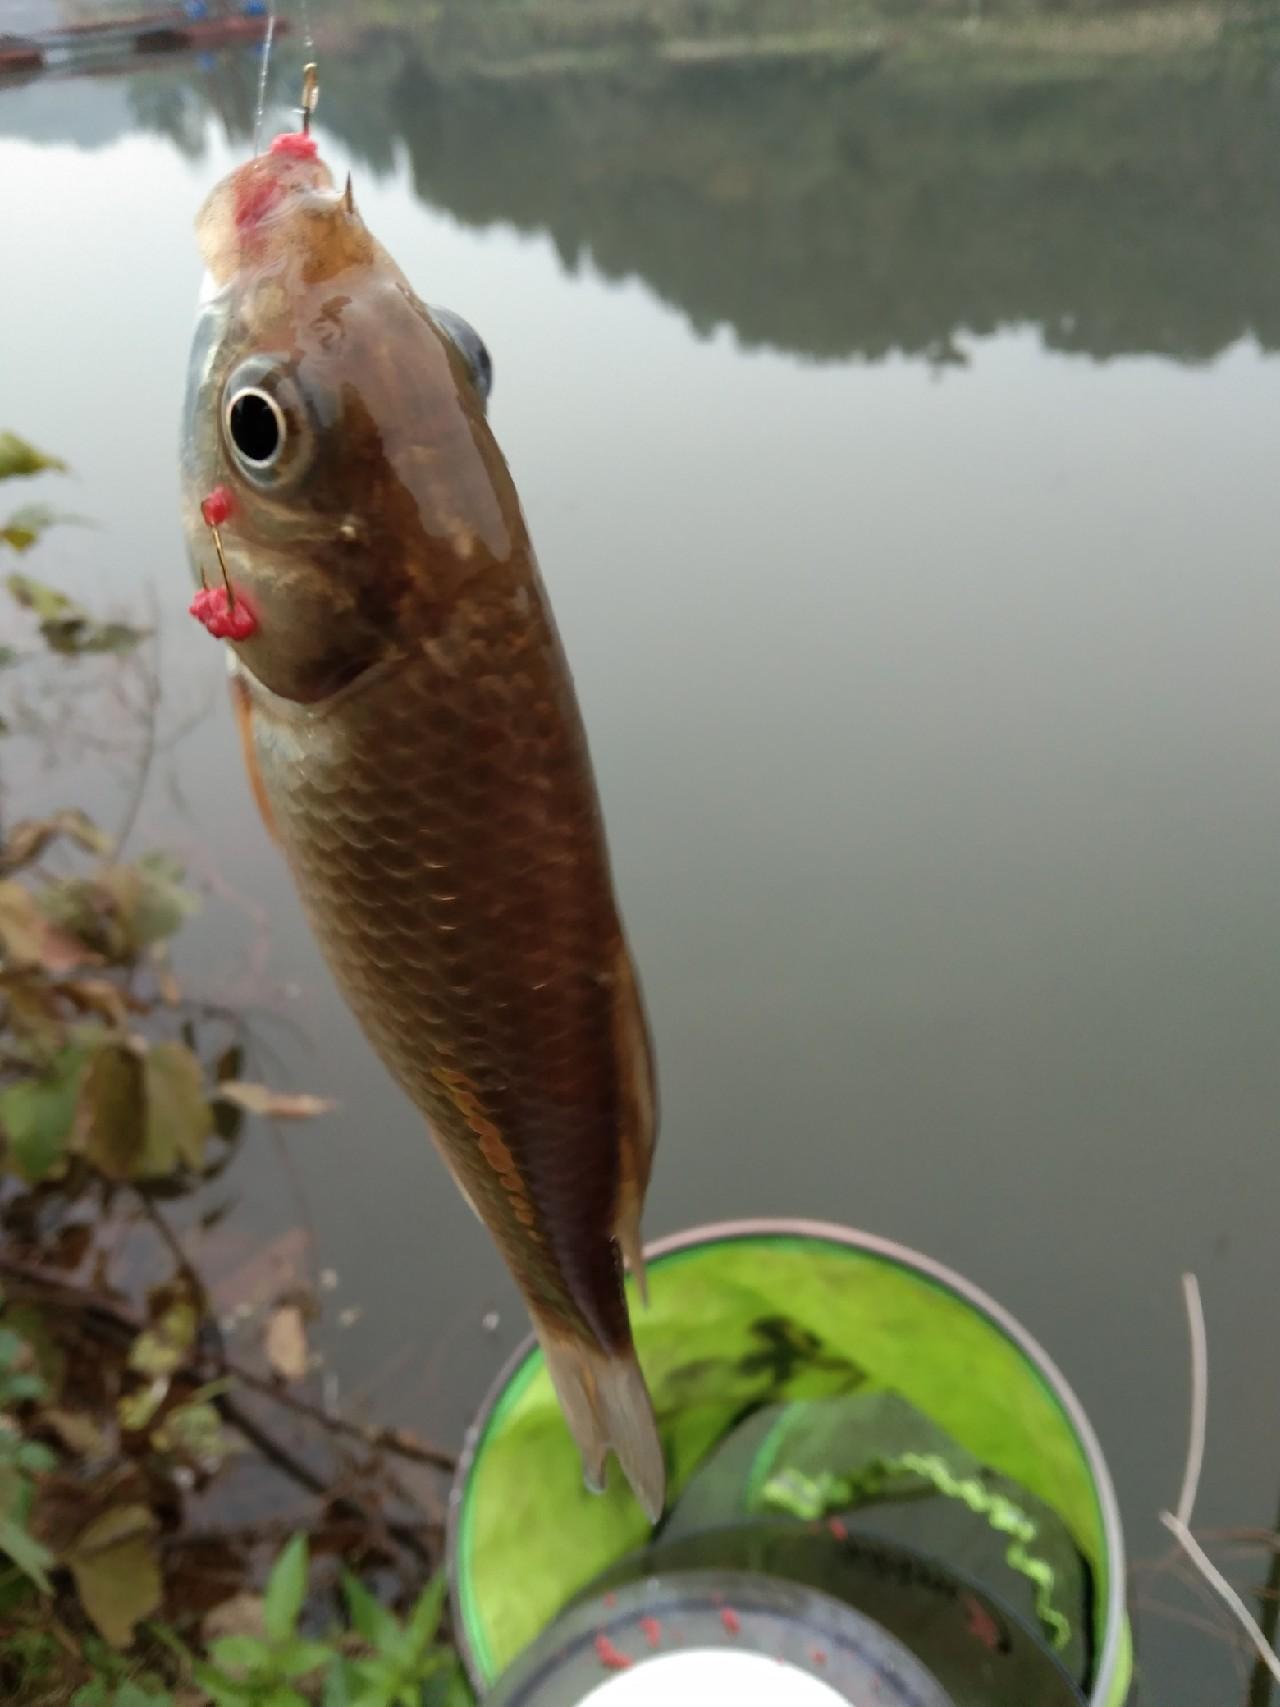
(1199,1398)
(1223,1589)
(1267,1665)
(70,1296)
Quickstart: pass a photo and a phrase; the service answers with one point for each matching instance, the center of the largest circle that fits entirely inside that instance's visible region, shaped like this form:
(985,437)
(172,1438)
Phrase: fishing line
(262,79)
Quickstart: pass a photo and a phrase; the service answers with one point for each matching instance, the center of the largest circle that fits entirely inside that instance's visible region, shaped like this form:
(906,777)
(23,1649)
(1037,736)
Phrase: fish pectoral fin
(607,1406)
(242,705)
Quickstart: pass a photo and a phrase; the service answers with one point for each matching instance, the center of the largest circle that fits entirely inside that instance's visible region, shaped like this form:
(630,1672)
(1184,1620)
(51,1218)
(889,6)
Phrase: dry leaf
(286,1342)
(241,1273)
(78,1432)
(97,996)
(239,1616)
(117,1571)
(29,939)
(111,1113)
(259,1099)
(178,1116)
(29,839)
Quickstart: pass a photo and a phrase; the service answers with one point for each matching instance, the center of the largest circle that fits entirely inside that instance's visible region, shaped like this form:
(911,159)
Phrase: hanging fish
(415,745)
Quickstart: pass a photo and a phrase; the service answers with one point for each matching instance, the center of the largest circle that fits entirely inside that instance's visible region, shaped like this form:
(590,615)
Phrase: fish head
(336,454)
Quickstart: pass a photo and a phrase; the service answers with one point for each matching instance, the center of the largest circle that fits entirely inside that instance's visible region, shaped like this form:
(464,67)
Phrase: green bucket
(831,1405)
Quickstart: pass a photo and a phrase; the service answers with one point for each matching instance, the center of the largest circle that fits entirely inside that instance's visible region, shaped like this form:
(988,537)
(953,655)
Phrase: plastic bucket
(844,1420)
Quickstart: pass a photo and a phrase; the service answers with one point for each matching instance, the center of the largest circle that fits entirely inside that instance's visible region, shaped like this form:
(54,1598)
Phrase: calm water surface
(905,487)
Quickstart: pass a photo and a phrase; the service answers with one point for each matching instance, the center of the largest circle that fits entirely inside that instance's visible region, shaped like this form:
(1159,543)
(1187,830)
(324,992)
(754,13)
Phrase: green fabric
(801,1496)
(732,1325)
(882,1464)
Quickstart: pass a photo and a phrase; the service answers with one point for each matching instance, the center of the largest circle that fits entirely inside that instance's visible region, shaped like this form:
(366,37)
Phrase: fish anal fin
(638,1106)
(608,1408)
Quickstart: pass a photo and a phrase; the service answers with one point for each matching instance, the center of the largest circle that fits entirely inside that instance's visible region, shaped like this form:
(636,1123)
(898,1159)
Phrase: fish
(416,747)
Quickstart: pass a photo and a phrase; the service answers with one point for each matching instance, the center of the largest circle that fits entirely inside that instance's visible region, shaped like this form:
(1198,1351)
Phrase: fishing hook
(310,95)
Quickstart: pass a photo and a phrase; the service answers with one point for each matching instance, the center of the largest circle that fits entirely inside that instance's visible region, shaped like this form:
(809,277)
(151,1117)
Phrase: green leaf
(24,527)
(35,1458)
(45,603)
(39,1359)
(341,1688)
(448,1686)
(19,457)
(300,1656)
(160,903)
(112,1109)
(36,1115)
(223,1690)
(65,626)
(240,1653)
(378,1673)
(369,1617)
(424,1620)
(161,1348)
(131,1694)
(286,1589)
(195,1431)
(18,1388)
(29,1555)
(178,1113)
(283,1696)
(127,1693)
(135,1410)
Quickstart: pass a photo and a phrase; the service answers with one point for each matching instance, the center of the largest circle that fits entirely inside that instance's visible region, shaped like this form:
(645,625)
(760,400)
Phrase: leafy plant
(380,1661)
(120,1401)
(402,1656)
(20,1460)
(253,1671)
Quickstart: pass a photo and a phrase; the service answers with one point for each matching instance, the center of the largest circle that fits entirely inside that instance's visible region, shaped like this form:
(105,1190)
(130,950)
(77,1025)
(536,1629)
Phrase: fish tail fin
(607,1405)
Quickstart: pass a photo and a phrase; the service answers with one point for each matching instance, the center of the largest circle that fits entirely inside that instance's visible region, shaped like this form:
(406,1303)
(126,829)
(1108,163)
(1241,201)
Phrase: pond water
(897,431)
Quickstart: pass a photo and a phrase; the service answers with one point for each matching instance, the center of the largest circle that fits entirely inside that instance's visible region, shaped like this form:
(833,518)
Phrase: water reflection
(852,204)
(936,722)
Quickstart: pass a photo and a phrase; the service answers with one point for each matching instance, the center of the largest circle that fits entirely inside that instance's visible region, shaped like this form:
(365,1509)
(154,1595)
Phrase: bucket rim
(1113,1659)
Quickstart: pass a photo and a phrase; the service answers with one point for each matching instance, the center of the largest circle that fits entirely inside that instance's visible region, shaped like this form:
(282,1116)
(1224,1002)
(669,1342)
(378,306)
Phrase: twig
(173,1244)
(389,1439)
(1267,1666)
(228,1535)
(1213,1576)
(80,1298)
(268,1446)
(1244,1539)
(1260,1678)
(1221,1629)
(1199,1398)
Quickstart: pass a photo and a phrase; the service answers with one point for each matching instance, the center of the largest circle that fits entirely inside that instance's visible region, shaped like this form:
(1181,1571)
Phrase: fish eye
(470,345)
(267,421)
(256,427)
